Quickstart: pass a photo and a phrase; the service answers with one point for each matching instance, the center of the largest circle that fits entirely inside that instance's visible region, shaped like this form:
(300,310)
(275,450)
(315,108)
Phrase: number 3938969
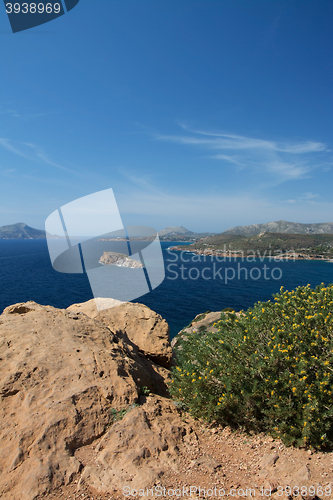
(33,8)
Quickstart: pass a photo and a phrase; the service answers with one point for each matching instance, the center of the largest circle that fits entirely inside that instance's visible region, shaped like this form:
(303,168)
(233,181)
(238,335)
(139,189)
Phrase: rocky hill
(20,231)
(282,226)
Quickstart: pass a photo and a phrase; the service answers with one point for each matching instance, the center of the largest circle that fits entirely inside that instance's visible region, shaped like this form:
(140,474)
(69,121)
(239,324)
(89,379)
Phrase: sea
(192,285)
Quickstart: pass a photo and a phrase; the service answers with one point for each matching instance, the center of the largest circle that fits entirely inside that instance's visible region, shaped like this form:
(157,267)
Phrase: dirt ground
(226,463)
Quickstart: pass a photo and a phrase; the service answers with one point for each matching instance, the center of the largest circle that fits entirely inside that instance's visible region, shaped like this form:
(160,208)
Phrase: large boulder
(92,307)
(137,324)
(63,376)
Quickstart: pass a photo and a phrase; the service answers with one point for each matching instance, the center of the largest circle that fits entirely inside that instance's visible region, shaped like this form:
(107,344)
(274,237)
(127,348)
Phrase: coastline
(239,254)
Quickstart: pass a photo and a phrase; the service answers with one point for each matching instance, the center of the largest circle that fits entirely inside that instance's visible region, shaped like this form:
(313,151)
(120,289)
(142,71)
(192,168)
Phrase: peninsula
(266,244)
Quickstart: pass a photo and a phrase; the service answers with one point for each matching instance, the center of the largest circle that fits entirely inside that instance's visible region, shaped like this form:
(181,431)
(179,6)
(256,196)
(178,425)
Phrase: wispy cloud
(309,196)
(31,152)
(25,114)
(284,160)
(208,211)
(215,213)
(306,198)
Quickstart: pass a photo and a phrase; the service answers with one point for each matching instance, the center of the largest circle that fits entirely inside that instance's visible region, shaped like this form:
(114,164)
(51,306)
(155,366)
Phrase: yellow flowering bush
(267,369)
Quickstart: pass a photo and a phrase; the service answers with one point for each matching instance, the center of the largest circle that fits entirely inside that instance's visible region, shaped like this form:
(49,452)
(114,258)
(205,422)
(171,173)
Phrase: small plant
(181,406)
(202,328)
(119,414)
(144,391)
(269,369)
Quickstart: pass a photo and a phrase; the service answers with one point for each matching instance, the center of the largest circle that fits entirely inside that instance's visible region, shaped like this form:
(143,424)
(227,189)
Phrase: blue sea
(189,288)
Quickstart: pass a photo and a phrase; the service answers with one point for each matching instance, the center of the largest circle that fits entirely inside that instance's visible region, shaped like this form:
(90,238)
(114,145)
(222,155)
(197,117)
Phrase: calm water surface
(26,274)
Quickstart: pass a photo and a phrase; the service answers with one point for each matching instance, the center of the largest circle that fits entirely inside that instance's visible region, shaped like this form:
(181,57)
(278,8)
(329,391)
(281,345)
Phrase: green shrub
(267,369)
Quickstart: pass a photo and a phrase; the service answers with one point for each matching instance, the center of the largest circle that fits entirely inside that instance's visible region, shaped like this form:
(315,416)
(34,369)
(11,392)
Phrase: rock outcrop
(92,307)
(137,325)
(204,322)
(201,323)
(63,376)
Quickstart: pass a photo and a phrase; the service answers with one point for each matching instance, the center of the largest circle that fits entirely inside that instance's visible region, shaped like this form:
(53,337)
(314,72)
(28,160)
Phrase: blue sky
(207,114)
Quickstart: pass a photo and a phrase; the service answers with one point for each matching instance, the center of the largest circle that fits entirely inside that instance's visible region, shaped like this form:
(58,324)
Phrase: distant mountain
(282,226)
(171,230)
(180,233)
(20,231)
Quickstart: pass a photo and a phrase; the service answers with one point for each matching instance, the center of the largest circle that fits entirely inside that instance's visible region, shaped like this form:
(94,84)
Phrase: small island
(118,259)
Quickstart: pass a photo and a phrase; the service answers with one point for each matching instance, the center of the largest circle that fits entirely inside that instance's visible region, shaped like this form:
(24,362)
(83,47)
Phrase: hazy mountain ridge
(21,231)
(174,230)
(180,233)
(282,226)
